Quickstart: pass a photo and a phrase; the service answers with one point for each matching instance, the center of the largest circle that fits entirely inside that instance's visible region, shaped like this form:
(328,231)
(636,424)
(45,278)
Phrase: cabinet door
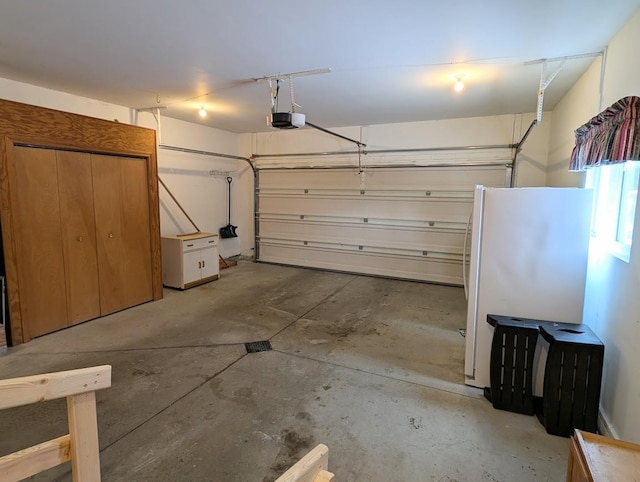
(210,264)
(78,235)
(122,231)
(38,241)
(192,267)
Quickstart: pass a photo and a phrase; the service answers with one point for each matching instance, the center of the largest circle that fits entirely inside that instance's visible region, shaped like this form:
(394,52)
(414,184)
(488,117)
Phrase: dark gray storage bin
(511,365)
(572,378)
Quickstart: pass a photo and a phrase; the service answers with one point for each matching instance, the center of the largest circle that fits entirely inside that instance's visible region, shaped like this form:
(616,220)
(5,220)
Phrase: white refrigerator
(528,258)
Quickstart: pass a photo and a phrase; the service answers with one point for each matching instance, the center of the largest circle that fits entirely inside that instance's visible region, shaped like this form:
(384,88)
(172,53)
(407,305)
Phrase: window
(614,205)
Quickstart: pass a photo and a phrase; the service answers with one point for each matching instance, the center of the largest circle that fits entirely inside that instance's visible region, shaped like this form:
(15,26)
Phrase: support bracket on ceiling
(547,75)
(545,80)
(291,75)
(273,94)
(155,112)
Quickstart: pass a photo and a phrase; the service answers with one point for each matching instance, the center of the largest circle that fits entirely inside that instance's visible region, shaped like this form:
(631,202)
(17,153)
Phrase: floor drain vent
(258,346)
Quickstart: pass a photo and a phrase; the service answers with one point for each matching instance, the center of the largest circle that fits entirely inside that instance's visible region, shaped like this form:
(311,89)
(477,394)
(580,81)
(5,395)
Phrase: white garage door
(406,222)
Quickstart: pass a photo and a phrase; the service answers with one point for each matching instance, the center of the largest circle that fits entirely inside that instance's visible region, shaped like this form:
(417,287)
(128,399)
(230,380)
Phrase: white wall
(203,195)
(199,183)
(612,304)
(578,106)
(52,99)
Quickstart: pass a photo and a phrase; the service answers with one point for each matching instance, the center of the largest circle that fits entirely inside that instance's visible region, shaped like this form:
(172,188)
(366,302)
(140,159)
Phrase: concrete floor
(371,367)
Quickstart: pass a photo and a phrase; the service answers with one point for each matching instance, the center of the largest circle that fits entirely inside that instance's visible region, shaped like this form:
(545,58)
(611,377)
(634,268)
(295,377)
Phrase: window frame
(615,194)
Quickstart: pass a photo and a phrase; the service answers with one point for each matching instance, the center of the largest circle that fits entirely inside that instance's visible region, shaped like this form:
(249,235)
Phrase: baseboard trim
(605,427)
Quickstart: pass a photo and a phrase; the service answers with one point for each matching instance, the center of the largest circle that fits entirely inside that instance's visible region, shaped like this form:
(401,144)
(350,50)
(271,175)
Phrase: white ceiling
(391,61)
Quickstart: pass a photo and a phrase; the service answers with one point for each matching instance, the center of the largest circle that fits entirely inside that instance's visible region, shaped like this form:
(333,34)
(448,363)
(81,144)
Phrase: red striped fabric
(610,137)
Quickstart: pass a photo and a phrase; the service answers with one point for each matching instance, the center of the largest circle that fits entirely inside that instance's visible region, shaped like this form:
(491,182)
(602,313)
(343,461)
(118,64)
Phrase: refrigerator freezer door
(531,259)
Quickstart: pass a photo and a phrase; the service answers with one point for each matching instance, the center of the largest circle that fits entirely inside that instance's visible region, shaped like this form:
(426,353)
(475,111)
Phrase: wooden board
(310,468)
(33,460)
(609,459)
(16,392)
(83,429)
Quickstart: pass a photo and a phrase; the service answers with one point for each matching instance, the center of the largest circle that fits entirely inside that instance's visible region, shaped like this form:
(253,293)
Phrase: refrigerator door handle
(474,273)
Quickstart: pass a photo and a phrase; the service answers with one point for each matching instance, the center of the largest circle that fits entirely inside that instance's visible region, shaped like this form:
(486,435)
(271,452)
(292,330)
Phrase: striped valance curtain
(610,137)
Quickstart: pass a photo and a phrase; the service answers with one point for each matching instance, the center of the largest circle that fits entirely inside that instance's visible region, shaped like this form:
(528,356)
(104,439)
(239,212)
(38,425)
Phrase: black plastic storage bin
(511,364)
(572,378)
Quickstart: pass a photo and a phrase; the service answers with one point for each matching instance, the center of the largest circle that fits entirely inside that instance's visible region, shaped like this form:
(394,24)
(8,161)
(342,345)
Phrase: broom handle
(178,204)
(229,179)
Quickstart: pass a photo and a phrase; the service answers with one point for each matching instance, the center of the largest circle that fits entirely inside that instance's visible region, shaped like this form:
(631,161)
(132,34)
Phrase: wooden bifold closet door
(39,243)
(82,236)
(122,230)
(79,217)
(75,185)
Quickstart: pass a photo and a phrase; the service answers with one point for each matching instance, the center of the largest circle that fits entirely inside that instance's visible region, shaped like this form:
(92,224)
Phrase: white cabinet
(189,259)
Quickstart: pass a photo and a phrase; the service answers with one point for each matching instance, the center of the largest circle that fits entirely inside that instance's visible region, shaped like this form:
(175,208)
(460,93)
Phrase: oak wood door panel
(78,235)
(122,231)
(38,241)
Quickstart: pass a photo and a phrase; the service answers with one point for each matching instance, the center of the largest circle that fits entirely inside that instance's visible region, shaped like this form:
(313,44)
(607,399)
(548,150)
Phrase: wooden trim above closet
(23,124)
(54,128)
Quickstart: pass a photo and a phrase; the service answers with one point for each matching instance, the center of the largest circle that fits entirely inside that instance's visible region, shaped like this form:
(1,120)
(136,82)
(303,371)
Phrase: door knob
(111,235)
(80,238)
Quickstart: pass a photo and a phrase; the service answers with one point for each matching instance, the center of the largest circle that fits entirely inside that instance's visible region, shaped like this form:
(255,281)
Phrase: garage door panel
(443,240)
(402,179)
(434,178)
(396,266)
(407,222)
(366,207)
(303,179)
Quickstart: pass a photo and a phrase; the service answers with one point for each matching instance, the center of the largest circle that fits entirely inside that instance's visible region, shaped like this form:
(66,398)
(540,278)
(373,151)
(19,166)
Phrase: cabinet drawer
(191,244)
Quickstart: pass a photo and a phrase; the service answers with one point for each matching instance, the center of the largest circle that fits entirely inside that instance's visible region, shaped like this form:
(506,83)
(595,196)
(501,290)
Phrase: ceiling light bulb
(459,85)
(203,113)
